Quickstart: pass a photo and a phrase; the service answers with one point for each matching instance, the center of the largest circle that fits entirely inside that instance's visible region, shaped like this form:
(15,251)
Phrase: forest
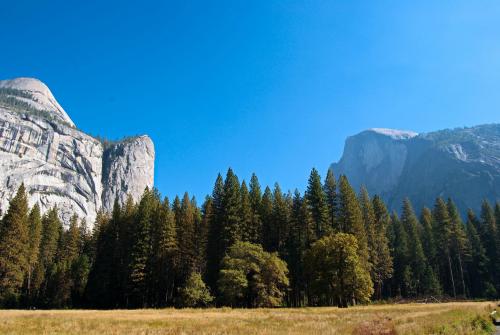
(244,247)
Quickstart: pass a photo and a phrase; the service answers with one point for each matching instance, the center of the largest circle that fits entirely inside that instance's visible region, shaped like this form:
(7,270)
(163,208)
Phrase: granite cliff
(59,164)
(462,163)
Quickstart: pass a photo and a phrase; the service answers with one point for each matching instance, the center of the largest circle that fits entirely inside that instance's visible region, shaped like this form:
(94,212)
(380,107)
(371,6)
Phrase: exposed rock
(59,164)
(127,169)
(463,164)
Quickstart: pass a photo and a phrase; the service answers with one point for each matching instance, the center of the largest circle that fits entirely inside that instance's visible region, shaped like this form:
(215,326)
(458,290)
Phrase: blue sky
(272,87)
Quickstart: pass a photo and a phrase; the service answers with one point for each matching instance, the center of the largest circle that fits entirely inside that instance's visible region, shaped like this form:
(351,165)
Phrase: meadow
(443,318)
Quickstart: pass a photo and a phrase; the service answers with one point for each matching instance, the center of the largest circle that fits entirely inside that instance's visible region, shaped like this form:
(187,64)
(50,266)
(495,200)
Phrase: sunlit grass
(447,318)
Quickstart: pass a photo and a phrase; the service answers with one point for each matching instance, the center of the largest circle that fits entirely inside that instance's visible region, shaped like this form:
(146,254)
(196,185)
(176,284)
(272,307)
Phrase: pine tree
(416,255)
(300,237)
(368,214)
(330,189)
(72,240)
(279,232)
(477,266)
(126,229)
(14,247)
(247,229)
(459,243)
(99,290)
(351,219)
(400,247)
(255,231)
(214,247)
(266,214)
(382,268)
(167,253)
(443,232)
(186,228)
(231,218)
(318,204)
(489,237)
(427,238)
(47,268)
(141,250)
(203,217)
(33,252)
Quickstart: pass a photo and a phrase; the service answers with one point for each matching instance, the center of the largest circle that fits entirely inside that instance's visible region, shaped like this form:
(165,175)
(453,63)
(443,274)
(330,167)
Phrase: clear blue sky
(272,87)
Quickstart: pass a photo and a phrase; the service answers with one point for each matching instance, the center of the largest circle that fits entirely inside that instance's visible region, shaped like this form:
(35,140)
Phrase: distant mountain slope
(462,163)
(60,165)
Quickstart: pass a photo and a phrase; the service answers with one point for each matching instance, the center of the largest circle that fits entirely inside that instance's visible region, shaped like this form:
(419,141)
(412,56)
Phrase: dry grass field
(446,318)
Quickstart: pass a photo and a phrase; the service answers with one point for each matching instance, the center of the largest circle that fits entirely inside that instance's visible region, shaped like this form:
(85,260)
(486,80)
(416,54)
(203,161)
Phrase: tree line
(244,247)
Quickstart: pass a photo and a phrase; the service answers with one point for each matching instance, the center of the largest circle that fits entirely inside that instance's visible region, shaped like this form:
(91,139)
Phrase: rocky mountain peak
(60,165)
(36,94)
(461,163)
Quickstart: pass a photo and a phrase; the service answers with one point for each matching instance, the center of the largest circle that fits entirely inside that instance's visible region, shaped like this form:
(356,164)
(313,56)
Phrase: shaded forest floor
(444,318)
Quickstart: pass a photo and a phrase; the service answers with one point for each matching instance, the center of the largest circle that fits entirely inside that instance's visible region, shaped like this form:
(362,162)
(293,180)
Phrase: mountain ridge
(461,163)
(59,164)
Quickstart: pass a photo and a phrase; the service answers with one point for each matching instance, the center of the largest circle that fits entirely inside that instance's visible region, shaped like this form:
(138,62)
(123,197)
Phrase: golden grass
(446,318)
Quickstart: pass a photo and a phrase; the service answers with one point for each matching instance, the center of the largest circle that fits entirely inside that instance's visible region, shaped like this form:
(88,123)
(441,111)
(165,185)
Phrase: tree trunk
(462,273)
(451,276)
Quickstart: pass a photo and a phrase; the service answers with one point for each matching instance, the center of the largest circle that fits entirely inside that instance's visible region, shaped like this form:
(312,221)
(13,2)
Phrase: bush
(195,293)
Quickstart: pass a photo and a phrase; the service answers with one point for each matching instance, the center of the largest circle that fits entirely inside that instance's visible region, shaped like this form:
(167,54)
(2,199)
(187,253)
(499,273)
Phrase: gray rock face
(462,163)
(60,165)
(127,169)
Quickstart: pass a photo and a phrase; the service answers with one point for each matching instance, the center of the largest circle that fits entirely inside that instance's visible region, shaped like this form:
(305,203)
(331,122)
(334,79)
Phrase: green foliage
(416,258)
(195,293)
(351,219)
(156,254)
(14,254)
(337,275)
(330,189)
(251,277)
(318,204)
(382,261)
(14,100)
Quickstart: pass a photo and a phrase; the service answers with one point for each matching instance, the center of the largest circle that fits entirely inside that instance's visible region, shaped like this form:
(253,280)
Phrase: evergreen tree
(477,267)
(318,204)
(203,217)
(33,252)
(99,291)
(351,219)
(71,240)
(299,239)
(443,227)
(382,266)
(266,214)
(279,231)
(186,221)
(47,270)
(427,238)
(140,251)
(368,214)
(231,218)
(255,229)
(489,237)
(214,250)
(417,260)
(459,244)
(247,229)
(400,247)
(330,189)
(165,255)
(14,248)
